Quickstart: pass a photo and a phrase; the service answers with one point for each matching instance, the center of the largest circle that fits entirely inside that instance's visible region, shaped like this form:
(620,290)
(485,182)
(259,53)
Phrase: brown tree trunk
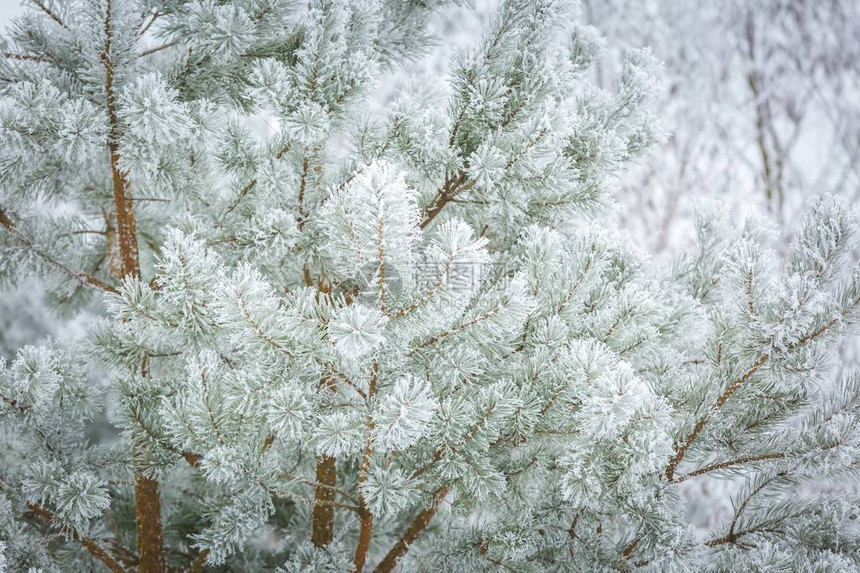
(323,525)
(126,228)
(150,541)
(324,495)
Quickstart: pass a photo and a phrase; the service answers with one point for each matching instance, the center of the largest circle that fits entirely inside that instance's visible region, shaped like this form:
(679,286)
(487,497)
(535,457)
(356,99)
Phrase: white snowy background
(8,10)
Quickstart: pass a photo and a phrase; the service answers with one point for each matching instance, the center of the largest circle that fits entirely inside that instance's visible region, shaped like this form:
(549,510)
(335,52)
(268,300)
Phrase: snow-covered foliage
(402,341)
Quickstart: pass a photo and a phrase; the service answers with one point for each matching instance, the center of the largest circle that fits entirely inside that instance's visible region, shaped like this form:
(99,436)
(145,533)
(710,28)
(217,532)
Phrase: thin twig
(82,277)
(157,49)
(730,463)
(681,451)
(149,24)
(22,57)
(415,529)
(89,544)
(344,493)
(50,13)
(199,562)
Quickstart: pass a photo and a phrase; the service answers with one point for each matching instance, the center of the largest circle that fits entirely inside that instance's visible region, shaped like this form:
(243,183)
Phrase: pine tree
(401,341)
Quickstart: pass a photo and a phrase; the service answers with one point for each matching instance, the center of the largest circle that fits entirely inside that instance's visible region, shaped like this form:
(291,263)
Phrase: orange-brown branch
(126,226)
(22,57)
(443,196)
(51,14)
(200,562)
(91,546)
(365,532)
(83,278)
(731,463)
(415,529)
(681,451)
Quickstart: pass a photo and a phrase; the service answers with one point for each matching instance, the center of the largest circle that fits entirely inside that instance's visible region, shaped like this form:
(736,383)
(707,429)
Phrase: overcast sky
(8,10)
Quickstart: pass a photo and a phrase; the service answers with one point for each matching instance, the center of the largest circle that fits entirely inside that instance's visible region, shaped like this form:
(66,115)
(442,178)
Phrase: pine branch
(315,503)
(83,278)
(681,451)
(748,498)
(431,292)
(573,290)
(343,492)
(347,380)
(452,186)
(192,459)
(239,198)
(208,403)
(303,214)
(253,183)
(199,562)
(380,254)
(148,24)
(442,335)
(258,329)
(437,455)
(628,551)
(749,289)
(22,57)
(365,516)
(51,14)
(729,464)
(824,328)
(415,529)
(267,443)
(87,543)
(728,538)
(732,536)
(157,49)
